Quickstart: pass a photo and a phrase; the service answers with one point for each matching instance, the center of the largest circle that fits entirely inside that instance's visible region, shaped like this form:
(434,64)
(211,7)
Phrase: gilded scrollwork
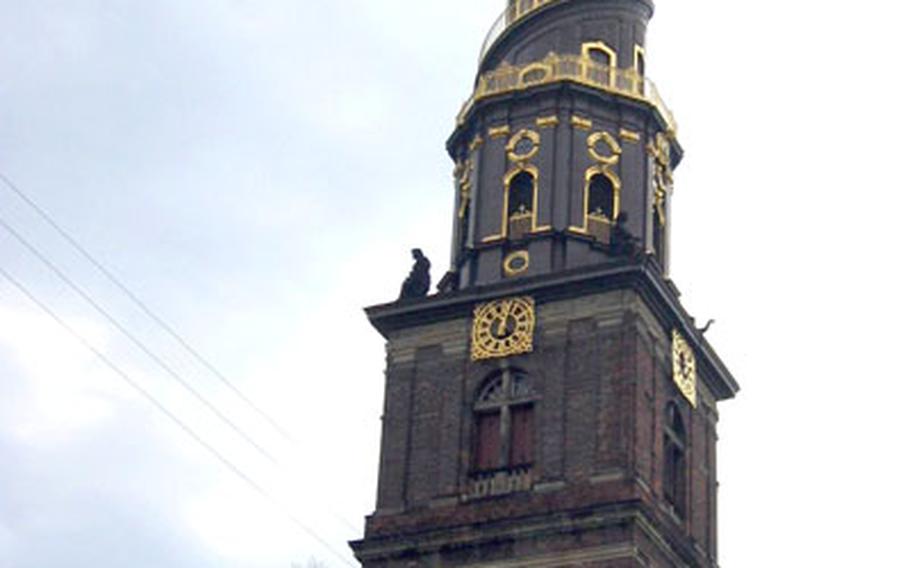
(659,150)
(463,174)
(523,146)
(603,148)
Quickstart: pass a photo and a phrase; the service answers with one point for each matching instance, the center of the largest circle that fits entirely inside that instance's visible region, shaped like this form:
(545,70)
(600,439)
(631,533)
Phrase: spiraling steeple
(554,404)
(565,150)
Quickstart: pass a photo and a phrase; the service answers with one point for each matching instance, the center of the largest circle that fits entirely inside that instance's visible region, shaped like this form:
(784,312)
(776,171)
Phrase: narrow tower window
(675,460)
(520,205)
(602,198)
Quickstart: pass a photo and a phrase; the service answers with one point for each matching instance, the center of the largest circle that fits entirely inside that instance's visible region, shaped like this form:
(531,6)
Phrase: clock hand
(506,308)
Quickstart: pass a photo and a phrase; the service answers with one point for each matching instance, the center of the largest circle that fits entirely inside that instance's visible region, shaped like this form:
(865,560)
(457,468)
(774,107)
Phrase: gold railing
(575,68)
(516,10)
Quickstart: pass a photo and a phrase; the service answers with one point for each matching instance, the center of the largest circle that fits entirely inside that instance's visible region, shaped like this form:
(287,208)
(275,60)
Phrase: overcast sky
(257,171)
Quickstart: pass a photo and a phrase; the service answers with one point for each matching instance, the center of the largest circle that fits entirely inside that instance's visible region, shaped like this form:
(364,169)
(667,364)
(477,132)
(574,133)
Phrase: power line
(173,417)
(134,340)
(143,306)
(157,319)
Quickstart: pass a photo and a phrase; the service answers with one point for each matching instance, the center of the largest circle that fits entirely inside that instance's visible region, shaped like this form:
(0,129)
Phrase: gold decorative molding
(598,138)
(503,328)
(582,123)
(499,131)
(547,121)
(476,143)
(516,263)
(660,148)
(517,154)
(629,135)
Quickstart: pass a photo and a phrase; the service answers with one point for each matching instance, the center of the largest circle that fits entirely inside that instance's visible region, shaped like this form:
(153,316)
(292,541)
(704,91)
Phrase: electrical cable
(135,341)
(143,306)
(173,417)
(154,317)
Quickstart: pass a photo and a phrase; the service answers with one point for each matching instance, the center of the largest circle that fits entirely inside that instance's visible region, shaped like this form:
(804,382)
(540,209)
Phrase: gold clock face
(503,328)
(685,374)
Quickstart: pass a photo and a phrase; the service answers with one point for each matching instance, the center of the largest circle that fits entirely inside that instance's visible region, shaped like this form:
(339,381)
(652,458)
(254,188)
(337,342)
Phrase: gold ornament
(503,328)
(602,147)
(685,374)
(523,146)
(516,263)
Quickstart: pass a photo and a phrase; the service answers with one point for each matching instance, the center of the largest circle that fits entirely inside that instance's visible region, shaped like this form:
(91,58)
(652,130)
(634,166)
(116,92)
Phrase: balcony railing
(499,482)
(516,10)
(575,68)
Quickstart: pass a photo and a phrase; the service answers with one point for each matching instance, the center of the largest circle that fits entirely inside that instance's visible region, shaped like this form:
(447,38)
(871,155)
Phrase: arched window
(602,198)
(520,204)
(504,423)
(601,203)
(675,471)
(599,52)
(602,59)
(521,195)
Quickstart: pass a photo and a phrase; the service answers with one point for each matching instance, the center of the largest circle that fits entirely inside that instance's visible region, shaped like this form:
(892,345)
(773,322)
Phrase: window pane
(486,453)
(522,443)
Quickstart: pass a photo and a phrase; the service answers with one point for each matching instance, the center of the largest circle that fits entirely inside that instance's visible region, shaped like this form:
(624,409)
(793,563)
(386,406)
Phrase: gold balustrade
(516,10)
(575,68)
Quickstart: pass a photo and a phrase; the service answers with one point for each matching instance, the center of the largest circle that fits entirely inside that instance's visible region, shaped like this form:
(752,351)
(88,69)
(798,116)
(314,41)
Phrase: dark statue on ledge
(417,283)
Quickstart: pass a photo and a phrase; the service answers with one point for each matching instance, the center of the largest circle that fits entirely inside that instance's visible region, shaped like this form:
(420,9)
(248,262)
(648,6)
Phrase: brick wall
(601,371)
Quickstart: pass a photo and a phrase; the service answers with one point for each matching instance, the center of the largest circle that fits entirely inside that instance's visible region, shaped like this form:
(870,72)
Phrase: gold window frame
(605,170)
(535,210)
(589,46)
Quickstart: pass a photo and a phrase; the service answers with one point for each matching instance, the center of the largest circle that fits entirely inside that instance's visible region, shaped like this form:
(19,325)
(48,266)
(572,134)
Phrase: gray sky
(257,172)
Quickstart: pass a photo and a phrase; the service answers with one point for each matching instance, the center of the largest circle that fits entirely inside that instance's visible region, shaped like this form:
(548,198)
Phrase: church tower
(553,404)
